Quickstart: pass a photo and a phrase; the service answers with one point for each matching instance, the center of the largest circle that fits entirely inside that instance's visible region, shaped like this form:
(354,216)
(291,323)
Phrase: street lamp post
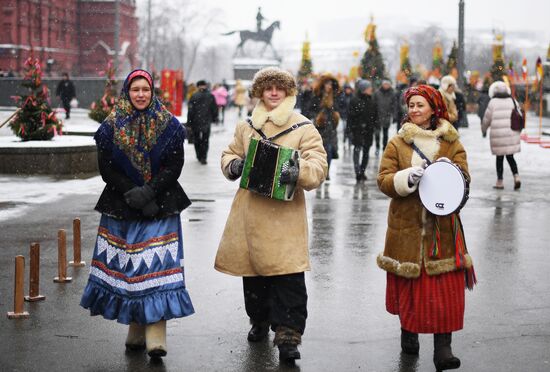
(117,34)
(461,44)
(148,50)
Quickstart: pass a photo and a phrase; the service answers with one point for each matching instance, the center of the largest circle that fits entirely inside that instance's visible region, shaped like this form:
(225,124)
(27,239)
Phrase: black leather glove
(139,196)
(290,173)
(236,168)
(151,209)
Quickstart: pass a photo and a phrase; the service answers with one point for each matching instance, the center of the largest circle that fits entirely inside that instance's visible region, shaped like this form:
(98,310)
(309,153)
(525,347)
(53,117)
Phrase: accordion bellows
(263,165)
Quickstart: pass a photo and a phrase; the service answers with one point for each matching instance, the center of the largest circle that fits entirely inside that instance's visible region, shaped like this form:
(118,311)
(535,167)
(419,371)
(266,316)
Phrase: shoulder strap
(260,132)
(273,138)
(288,130)
(415,148)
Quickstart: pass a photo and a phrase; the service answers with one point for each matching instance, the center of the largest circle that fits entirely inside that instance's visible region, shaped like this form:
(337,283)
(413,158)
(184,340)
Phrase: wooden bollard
(34,275)
(18,309)
(62,258)
(77,241)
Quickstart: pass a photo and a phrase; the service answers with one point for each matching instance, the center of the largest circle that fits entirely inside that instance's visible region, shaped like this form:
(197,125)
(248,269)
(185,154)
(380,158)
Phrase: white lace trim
(146,255)
(132,287)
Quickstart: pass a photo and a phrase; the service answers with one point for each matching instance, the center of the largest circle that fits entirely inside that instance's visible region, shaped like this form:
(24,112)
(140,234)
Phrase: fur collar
(444,130)
(278,116)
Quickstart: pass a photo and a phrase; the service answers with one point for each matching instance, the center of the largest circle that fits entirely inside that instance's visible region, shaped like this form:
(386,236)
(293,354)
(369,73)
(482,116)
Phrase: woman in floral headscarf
(136,275)
(425,265)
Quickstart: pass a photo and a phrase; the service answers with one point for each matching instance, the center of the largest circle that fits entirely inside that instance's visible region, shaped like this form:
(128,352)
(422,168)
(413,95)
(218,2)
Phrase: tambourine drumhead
(442,188)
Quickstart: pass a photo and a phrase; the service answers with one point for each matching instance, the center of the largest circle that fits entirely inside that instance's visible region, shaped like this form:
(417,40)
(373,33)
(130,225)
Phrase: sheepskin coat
(504,140)
(410,226)
(263,236)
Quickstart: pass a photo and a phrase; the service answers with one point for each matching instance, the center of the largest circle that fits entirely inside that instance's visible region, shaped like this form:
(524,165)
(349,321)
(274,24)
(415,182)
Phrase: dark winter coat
(65,90)
(400,106)
(304,103)
(202,111)
(482,102)
(169,194)
(460,101)
(343,104)
(385,103)
(362,118)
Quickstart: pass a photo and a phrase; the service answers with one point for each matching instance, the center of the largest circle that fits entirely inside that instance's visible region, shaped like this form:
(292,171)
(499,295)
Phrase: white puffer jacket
(504,141)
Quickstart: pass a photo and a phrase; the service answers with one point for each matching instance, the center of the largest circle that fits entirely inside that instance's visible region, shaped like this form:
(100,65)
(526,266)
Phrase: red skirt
(428,304)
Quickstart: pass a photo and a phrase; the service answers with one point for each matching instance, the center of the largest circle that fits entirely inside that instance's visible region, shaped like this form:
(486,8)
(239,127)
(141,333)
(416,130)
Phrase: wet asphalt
(507,321)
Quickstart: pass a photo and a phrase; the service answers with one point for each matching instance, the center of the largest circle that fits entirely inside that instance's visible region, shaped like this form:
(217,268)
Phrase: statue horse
(263,35)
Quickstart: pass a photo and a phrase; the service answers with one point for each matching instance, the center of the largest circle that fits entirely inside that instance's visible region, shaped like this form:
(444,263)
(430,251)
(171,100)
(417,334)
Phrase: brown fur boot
(136,337)
(443,354)
(155,339)
(287,340)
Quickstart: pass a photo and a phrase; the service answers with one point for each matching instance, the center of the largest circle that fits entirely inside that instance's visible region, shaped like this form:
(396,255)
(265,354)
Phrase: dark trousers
(384,137)
(360,166)
(500,165)
(278,300)
(67,106)
(202,137)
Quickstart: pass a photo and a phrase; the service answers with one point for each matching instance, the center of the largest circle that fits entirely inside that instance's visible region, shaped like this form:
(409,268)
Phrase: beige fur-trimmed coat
(264,236)
(410,226)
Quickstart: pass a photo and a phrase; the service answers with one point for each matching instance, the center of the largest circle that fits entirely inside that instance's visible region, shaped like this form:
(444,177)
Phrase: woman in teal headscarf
(137,275)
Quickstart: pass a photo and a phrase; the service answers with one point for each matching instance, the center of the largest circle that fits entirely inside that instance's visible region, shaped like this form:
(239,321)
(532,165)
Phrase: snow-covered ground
(21,192)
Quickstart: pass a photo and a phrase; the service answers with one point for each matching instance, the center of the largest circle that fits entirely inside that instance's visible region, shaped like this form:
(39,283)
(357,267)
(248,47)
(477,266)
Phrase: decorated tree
(306,67)
(102,107)
(405,68)
(372,63)
(437,57)
(498,68)
(35,120)
(451,66)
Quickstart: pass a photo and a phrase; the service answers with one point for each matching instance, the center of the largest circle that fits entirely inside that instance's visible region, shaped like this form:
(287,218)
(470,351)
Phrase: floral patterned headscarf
(135,132)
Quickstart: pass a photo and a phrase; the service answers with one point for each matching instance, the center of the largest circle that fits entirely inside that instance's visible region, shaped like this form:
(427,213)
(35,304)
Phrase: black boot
(443,354)
(288,353)
(409,342)
(258,332)
(287,340)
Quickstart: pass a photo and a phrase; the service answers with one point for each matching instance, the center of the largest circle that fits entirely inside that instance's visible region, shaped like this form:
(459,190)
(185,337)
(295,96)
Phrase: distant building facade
(76,36)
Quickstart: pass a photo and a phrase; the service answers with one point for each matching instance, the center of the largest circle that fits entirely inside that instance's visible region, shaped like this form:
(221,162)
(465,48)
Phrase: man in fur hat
(266,240)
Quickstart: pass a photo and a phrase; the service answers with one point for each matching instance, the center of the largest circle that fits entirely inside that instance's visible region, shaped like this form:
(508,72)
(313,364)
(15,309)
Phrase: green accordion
(263,165)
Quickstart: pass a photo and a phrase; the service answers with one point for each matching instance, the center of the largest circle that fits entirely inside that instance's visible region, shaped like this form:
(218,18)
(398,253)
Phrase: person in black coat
(202,112)
(66,92)
(344,100)
(362,121)
(460,101)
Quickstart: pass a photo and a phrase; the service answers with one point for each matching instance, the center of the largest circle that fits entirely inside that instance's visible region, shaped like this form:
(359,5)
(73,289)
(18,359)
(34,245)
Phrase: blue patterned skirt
(136,274)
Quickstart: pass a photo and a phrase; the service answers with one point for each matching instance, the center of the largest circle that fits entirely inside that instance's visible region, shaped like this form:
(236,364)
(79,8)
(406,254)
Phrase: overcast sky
(299,16)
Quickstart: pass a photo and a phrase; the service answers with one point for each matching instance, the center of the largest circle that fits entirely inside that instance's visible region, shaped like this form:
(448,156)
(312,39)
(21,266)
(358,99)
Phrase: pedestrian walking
(240,97)
(305,95)
(136,275)
(424,257)
(220,94)
(266,240)
(447,90)
(326,113)
(66,92)
(363,115)
(462,114)
(385,103)
(505,142)
(483,100)
(344,100)
(201,113)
